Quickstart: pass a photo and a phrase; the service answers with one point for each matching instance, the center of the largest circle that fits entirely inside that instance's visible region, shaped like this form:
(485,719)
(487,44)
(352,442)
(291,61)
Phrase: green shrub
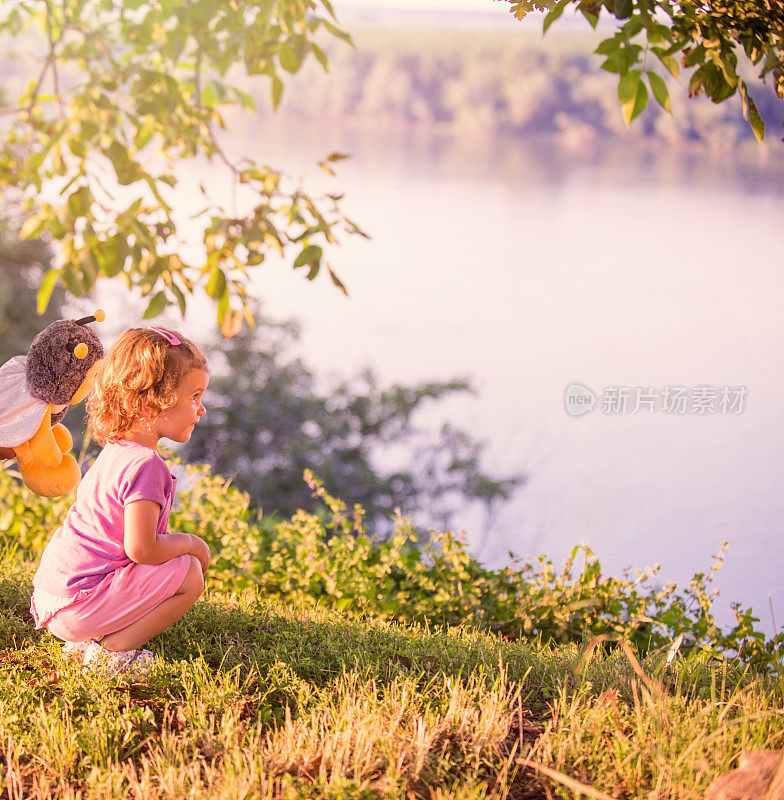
(328,557)
(27,520)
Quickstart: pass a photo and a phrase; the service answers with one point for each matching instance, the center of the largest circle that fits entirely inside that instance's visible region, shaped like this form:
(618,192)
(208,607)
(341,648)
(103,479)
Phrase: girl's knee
(193,584)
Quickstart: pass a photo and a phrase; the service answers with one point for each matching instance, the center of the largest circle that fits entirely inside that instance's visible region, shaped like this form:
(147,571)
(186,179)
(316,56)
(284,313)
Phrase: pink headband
(170,337)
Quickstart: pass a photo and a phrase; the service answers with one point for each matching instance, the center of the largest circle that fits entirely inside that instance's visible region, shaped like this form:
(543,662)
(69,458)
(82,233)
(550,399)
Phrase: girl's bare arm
(144,546)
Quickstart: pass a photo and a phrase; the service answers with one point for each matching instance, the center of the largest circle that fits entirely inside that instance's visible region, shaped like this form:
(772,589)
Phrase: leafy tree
(269,419)
(22,264)
(704,36)
(124,92)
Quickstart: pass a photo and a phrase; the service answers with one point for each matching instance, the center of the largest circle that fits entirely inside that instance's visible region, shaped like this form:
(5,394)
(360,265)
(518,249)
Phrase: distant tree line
(717,44)
(503,84)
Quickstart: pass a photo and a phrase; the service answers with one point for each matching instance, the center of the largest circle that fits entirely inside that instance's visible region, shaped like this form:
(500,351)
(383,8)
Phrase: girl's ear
(146,415)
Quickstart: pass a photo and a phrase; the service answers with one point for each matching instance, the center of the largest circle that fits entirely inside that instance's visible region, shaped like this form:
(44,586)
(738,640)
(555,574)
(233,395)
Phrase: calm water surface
(529,268)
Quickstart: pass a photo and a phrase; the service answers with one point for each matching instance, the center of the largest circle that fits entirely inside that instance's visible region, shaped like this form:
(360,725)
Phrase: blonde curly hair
(142,366)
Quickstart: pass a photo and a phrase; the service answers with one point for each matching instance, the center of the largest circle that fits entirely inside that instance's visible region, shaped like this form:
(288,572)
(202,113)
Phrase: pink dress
(86,585)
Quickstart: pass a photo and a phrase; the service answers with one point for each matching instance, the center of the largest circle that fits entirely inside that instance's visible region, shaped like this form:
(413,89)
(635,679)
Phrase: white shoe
(108,662)
(75,650)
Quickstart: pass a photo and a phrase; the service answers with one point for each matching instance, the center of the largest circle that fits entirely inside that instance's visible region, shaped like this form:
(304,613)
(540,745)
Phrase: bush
(328,557)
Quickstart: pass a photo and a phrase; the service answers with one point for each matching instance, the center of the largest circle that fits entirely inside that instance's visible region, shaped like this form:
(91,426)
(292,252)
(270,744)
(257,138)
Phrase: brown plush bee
(35,392)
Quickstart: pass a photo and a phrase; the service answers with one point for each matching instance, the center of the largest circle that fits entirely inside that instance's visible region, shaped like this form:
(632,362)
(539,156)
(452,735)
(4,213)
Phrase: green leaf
(553,15)
(231,323)
(125,169)
(180,298)
(79,202)
(208,97)
(622,59)
(310,255)
(15,22)
(277,91)
(111,255)
(613,62)
(33,225)
(72,281)
(289,59)
(660,91)
(726,64)
(757,125)
(326,167)
(89,129)
(633,107)
(623,9)
(668,60)
(593,19)
(216,285)
(750,112)
(321,56)
(223,306)
(633,27)
(89,268)
(627,86)
(245,99)
(659,34)
(130,86)
(45,290)
(607,46)
(156,305)
(336,281)
(695,56)
(341,34)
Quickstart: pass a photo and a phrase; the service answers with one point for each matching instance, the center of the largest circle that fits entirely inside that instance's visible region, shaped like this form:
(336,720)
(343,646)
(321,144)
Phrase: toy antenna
(99,316)
(79,349)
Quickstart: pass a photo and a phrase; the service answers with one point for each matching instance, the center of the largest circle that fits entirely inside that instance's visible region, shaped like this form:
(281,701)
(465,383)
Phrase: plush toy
(35,392)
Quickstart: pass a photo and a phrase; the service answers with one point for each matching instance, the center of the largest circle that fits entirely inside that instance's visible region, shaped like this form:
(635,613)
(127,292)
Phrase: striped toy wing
(20,412)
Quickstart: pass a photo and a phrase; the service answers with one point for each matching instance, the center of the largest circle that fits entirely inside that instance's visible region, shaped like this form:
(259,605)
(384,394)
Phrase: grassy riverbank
(256,698)
(323,662)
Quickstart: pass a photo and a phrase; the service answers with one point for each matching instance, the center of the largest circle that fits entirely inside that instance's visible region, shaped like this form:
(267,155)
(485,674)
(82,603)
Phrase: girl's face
(177,423)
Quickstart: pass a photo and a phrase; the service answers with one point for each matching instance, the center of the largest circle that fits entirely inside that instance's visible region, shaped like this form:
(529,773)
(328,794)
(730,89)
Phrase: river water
(530,267)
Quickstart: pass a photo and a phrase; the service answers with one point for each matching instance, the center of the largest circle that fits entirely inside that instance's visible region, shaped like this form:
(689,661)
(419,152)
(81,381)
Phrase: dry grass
(255,700)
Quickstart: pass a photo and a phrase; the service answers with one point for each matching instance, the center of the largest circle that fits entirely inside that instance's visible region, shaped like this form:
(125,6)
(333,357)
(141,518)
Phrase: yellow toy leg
(47,481)
(62,437)
(44,463)
(43,445)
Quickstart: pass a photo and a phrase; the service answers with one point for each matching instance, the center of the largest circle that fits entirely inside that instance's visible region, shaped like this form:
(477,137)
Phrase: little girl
(112,576)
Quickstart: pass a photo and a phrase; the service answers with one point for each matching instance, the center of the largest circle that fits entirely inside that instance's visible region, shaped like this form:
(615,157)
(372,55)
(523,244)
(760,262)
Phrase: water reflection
(528,266)
(431,152)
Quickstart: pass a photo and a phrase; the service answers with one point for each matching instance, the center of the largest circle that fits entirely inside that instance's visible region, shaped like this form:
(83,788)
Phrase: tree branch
(52,59)
(197,75)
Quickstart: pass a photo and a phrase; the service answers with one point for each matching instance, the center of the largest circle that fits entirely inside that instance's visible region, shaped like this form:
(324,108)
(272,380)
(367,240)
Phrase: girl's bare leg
(162,616)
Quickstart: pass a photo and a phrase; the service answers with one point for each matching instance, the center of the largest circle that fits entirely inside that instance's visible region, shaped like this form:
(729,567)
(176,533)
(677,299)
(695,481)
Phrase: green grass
(256,698)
